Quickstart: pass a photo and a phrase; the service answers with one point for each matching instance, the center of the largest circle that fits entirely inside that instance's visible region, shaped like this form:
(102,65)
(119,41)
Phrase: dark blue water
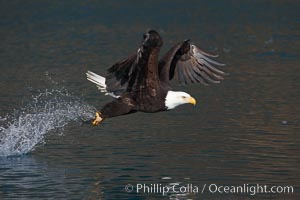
(243,131)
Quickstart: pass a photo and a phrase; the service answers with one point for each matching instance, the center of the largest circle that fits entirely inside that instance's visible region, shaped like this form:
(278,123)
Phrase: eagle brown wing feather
(190,64)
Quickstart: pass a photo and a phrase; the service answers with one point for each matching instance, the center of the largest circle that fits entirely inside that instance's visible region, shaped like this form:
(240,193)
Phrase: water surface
(243,131)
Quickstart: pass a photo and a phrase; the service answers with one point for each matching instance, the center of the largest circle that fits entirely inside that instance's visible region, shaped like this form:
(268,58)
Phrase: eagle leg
(98,119)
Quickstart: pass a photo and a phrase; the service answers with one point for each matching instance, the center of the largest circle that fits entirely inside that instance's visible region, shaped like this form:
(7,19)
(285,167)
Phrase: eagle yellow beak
(191,100)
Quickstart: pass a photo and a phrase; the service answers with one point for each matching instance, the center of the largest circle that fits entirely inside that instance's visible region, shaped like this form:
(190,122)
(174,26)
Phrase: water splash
(50,110)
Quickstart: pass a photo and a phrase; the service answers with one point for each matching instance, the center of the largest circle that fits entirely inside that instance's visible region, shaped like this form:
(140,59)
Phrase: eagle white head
(176,98)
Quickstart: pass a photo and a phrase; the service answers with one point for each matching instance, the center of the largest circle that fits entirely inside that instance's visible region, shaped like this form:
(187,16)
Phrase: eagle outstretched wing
(116,81)
(130,74)
(119,75)
(189,64)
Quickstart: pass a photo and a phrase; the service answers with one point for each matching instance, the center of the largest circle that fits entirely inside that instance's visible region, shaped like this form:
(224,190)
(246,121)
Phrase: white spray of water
(21,131)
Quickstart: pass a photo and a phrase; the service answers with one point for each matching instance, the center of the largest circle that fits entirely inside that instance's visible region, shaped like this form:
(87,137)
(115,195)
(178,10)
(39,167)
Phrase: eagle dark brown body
(141,81)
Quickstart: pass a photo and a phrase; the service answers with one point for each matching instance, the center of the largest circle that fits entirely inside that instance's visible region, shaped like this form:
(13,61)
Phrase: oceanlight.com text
(177,188)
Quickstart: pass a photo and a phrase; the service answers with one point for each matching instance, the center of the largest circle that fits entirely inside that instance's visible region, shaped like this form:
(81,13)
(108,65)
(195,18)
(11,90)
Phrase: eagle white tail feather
(97,79)
(100,82)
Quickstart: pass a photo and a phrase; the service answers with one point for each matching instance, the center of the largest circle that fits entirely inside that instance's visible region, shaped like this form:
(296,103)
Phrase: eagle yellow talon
(96,121)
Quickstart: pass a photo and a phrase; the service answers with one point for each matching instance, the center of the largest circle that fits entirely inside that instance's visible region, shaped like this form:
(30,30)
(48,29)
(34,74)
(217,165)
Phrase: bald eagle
(141,82)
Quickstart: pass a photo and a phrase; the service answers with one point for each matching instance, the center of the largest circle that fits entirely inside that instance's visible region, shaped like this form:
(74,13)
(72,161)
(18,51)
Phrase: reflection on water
(244,130)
